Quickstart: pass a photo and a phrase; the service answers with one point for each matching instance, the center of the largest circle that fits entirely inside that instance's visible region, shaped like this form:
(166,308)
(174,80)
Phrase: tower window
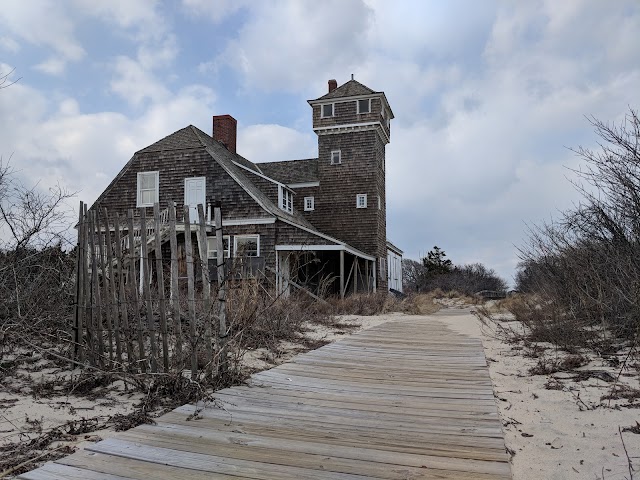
(364,106)
(327,110)
(309,204)
(336,157)
(361,200)
(379,203)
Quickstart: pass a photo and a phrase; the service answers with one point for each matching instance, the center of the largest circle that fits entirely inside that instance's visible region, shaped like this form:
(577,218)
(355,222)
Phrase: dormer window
(285,199)
(327,110)
(364,106)
(336,157)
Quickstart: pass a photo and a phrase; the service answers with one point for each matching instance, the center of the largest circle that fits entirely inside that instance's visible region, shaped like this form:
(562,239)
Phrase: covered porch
(324,270)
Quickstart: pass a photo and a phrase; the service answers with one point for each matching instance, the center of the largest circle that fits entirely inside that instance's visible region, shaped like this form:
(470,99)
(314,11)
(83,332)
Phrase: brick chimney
(332,85)
(224,131)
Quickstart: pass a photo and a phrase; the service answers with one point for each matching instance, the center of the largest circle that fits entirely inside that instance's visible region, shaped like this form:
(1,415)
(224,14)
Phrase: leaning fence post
(77,328)
(175,298)
(134,290)
(121,294)
(191,293)
(146,289)
(160,280)
(112,289)
(206,287)
(222,293)
(95,286)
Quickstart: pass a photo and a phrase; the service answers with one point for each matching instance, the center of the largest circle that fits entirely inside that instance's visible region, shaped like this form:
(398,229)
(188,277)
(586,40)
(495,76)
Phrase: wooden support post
(146,289)
(113,298)
(206,287)
(355,274)
(175,298)
(367,275)
(122,299)
(375,277)
(160,282)
(134,291)
(191,294)
(342,274)
(80,253)
(222,289)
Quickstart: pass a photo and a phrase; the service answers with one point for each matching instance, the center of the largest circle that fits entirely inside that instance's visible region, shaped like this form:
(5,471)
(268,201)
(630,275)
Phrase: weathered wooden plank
(113,468)
(175,294)
(133,280)
(55,471)
(191,295)
(160,284)
(146,290)
(213,463)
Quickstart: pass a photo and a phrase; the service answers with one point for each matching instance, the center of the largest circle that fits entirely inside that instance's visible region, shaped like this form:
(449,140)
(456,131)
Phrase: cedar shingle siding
(230,179)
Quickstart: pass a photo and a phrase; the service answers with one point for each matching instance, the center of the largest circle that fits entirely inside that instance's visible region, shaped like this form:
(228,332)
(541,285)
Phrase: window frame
(379,203)
(312,206)
(226,251)
(359,197)
(285,199)
(368,100)
(339,152)
(139,189)
(333,110)
(240,237)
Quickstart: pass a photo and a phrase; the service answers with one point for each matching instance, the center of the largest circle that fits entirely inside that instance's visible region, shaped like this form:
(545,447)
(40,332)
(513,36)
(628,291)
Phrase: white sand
(550,435)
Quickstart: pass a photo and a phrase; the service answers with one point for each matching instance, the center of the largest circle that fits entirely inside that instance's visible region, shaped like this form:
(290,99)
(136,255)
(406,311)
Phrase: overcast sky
(487,95)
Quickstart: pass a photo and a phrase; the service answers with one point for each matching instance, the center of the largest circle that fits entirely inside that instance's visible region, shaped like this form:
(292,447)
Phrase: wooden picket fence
(129,315)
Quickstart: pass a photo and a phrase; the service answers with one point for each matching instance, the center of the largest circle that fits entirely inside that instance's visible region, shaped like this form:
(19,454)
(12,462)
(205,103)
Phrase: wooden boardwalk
(408,399)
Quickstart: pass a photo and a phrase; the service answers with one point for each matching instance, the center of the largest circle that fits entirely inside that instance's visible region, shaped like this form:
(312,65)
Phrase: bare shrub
(584,267)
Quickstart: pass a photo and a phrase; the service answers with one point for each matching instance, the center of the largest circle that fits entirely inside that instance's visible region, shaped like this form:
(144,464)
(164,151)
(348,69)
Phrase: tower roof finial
(352,76)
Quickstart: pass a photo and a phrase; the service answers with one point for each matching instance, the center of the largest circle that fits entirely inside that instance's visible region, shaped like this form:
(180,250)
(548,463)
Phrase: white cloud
(284,43)
(135,84)
(273,143)
(42,23)
(216,11)
(52,66)
(9,44)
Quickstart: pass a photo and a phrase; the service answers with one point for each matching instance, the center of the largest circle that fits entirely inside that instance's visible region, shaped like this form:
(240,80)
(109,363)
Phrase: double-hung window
(148,186)
(361,200)
(364,106)
(285,199)
(336,157)
(326,110)
(246,245)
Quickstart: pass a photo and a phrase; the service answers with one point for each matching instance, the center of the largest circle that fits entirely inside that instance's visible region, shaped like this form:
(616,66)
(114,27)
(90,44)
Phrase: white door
(194,193)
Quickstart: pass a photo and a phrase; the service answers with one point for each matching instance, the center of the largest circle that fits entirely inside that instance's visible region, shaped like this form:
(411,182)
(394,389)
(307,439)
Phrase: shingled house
(318,221)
